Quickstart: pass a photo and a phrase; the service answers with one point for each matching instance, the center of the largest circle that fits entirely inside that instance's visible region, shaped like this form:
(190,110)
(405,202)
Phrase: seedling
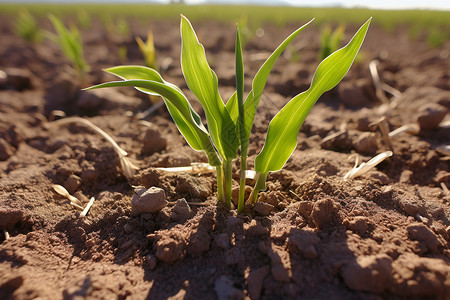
(230,124)
(147,49)
(71,45)
(27,28)
(330,40)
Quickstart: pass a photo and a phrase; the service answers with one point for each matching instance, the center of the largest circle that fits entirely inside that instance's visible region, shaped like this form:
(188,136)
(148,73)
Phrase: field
(312,235)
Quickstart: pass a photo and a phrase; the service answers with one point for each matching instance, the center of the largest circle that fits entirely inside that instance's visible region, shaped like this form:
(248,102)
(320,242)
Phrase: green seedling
(147,49)
(27,28)
(330,40)
(71,45)
(230,124)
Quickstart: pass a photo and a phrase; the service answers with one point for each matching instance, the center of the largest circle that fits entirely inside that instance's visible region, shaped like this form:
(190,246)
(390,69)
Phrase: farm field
(312,235)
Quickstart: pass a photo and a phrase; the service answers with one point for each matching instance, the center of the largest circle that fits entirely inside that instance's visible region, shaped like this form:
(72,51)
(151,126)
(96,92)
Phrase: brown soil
(385,235)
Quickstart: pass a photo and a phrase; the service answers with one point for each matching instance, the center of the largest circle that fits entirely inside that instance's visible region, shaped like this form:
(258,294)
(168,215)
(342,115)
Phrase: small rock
(366,143)
(255,282)
(153,141)
(369,273)
(72,183)
(225,290)
(181,211)
(192,186)
(6,150)
(325,213)
(263,208)
(425,236)
(303,241)
(430,116)
(148,201)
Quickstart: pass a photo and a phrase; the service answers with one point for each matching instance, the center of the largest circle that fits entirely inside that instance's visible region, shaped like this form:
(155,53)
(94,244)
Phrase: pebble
(148,201)
(430,115)
(181,211)
(72,183)
(366,143)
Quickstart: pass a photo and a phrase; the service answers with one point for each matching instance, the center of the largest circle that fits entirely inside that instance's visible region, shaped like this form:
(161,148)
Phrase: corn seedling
(366,167)
(71,45)
(27,28)
(147,49)
(230,124)
(128,168)
(330,40)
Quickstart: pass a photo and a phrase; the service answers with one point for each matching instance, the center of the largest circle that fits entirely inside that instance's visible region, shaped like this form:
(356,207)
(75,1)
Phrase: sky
(382,4)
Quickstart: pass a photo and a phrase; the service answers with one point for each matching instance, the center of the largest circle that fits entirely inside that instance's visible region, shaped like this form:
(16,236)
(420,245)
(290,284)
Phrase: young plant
(330,40)
(27,28)
(71,45)
(230,124)
(147,49)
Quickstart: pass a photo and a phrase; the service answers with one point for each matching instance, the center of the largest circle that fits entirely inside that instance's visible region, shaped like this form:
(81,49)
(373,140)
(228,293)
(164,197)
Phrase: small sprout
(411,128)
(128,168)
(88,206)
(63,192)
(27,28)
(330,40)
(148,50)
(71,45)
(365,167)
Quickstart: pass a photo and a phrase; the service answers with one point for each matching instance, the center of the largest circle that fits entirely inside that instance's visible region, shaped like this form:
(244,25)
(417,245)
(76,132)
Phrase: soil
(313,235)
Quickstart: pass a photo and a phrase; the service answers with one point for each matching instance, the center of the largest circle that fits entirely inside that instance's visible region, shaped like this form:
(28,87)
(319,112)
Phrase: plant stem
(260,185)
(227,170)
(219,175)
(242,182)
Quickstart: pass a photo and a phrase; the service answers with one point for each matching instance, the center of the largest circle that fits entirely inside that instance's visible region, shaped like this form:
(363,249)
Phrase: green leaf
(180,110)
(241,132)
(259,82)
(202,81)
(232,107)
(281,139)
(130,72)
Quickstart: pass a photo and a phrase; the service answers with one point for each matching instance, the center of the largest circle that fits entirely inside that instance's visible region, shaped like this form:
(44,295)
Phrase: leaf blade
(281,138)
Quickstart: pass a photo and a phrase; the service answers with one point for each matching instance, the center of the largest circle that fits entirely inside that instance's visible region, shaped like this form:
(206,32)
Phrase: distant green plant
(147,49)
(71,45)
(27,28)
(230,124)
(330,40)
(84,19)
(437,37)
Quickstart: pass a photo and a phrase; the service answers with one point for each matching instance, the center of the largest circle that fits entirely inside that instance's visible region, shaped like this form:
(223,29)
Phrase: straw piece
(365,167)
(88,206)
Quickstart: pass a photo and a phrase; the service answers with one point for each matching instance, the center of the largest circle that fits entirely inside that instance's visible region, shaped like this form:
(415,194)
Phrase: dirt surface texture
(162,235)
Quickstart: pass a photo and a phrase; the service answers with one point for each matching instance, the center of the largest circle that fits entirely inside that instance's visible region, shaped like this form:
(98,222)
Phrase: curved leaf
(202,81)
(281,138)
(259,82)
(180,110)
